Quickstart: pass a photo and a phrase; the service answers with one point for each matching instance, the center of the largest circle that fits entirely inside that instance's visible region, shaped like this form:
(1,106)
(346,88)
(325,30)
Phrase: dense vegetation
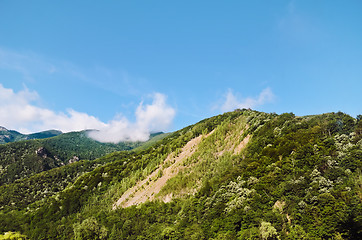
(297,178)
(24,158)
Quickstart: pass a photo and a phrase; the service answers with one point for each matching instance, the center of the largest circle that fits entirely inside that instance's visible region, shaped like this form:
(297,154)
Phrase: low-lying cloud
(153,117)
(232,102)
(20,111)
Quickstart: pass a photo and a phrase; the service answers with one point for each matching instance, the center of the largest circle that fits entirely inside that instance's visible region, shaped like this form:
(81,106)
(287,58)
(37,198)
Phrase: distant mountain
(7,136)
(21,159)
(44,134)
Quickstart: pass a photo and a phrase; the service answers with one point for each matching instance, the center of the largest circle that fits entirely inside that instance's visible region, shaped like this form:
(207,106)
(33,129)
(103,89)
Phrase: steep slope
(149,187)
(240,175)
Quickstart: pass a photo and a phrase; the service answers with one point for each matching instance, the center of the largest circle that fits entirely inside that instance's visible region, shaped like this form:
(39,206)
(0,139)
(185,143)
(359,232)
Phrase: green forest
(240,175)
(21,159)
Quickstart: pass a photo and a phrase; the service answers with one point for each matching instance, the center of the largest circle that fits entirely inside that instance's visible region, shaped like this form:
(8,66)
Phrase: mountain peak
(7,136)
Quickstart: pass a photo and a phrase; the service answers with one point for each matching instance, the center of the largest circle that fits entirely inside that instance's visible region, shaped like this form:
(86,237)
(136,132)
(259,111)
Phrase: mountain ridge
(7,136)
(255,176)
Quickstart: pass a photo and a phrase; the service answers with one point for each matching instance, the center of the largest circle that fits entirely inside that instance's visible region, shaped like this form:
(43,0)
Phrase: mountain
(240,175)
(22,159)
(44,134)
(7,136)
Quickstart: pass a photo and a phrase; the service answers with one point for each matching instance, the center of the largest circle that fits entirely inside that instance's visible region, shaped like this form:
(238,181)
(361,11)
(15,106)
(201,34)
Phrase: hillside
(240,175)
(22,159)
(7,136)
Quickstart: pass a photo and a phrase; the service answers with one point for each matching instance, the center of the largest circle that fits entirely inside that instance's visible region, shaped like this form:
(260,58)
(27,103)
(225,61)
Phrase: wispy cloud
(37,68)
(19,111)
(28,65)
(231,102)
(296,27)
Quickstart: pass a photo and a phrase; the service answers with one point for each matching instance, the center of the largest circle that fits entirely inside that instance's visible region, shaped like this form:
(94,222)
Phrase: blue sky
(164,65)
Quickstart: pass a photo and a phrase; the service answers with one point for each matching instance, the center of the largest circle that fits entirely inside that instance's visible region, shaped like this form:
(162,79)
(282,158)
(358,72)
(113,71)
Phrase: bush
(89,229)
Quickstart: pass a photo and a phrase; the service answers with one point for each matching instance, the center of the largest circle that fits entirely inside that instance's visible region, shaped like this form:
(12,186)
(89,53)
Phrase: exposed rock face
(5,138)
(3,129)
(73,159)
(42,152)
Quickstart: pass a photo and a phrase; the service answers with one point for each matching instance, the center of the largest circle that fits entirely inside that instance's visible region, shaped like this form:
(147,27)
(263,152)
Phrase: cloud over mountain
(149,118)
(19,110)
(232,102)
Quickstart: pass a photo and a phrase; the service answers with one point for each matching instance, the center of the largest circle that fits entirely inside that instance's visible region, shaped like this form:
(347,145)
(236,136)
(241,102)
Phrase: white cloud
(155,116)
(19,111)
(232,103)
(149,118)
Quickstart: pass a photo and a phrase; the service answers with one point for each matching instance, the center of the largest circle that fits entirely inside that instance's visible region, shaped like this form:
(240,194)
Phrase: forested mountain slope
(240,175)
(14,136)
(24,158)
